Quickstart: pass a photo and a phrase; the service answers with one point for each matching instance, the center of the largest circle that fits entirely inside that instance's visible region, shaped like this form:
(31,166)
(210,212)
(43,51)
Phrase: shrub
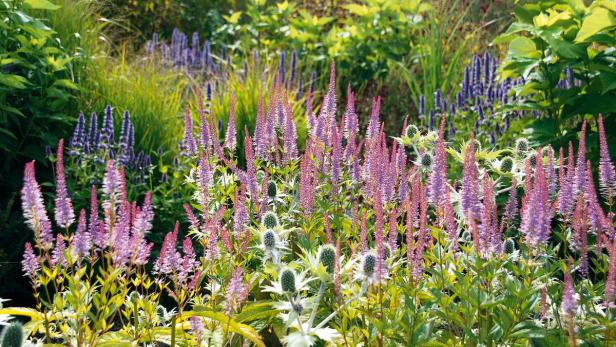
(563,52)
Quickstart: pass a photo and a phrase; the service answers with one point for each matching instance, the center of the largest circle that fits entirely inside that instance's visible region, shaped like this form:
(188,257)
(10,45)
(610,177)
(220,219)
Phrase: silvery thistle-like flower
(272,245)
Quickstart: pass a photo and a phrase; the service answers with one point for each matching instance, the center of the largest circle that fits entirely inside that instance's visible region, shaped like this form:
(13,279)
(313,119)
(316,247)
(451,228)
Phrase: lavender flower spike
(64,214)
(30,262)
(230,136)
(34,210)
(190,147)
(607,176)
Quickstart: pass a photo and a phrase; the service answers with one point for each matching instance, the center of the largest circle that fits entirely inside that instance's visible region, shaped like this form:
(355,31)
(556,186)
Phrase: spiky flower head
(269,240)
(270,220)
(12,335)
(369,264)
(533,159)
(327,257)
(287,281)
(411,130)
(272,189)
(521,145)
(426,161)
(506,164)
(509,246)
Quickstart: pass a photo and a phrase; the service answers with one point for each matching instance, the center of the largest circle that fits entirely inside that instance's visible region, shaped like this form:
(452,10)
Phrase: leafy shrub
(564,51)
(36,85)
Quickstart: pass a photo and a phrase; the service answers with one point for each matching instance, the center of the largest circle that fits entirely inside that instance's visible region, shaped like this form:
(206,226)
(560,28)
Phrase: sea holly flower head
(270,220)
(272,245)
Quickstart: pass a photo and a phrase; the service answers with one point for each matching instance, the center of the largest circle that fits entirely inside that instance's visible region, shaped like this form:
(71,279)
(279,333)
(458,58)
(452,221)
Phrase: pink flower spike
(607,175)
(34,209)
(65,216)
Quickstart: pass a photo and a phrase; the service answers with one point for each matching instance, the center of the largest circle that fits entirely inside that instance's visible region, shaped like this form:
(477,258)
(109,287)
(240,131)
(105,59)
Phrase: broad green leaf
(599,20)
(41,5)
(13,81)
(523,47)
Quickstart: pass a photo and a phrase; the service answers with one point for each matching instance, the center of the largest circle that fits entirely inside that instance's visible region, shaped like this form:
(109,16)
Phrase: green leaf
(523,47)
(235,327)
(13,81)
(41,5)
(233,18)
(599,20)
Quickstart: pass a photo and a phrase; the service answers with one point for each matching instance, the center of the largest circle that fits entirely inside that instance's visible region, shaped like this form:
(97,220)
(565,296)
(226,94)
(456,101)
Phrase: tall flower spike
(351,123)
(65,216)
(57,255)
(393,231)
(290,135)
(565,189)
(580,166)
(93,222)
(438,177)
(363,236)
(81,239)
(469,199)
(30,263)
(237,292)
(34,209)
(373,125)
(230,136)
(328,230)
(607,175)
(511,208)
(569,301)
(190,147)
(610,282)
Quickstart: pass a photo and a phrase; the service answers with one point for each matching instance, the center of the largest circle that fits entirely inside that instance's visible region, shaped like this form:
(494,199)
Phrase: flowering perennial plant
(359,239)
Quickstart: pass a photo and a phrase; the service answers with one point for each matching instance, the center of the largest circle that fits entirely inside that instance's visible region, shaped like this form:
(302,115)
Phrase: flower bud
(368,264)
(327,257)
(287,281)
(270,220)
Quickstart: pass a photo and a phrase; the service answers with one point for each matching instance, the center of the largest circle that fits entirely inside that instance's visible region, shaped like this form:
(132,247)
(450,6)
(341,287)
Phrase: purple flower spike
(34,210)
(81,240)
(230,136)
(57,255)
(64,214)
(569,302)
(438,178)
(188,143)
(237,292)
(607,175)
(30,263)
(470,182)
(290,136)
(580,166)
